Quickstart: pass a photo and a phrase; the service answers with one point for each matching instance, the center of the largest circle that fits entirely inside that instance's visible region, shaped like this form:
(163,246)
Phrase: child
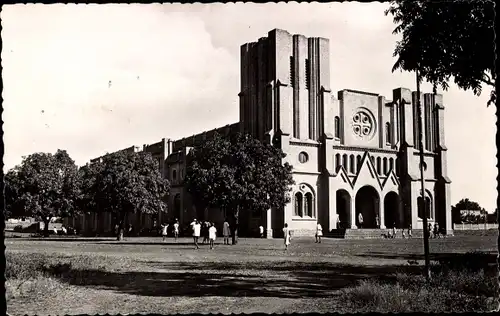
(212,234)
(319,233)
(164,231)
(176,229)
(286,236)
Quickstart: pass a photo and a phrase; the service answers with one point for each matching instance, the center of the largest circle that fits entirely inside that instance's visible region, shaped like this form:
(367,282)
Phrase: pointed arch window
(338,161)
(384,164)
(379,166)
(344,162)
(304,202)
(358,162)
(337,127)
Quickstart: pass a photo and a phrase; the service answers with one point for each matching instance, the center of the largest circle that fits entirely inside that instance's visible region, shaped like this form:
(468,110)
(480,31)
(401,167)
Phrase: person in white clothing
(64,230)
(226,232)
(176,229)
(164,229)
(286,236)
(196,233)
(261,231)
(212,234)
(319,233)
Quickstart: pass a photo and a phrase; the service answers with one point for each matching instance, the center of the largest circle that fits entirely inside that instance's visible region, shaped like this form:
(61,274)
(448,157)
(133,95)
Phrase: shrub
(459,284)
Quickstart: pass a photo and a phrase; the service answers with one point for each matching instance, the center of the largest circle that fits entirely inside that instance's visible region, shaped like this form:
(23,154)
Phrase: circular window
(303,157)
(363,124)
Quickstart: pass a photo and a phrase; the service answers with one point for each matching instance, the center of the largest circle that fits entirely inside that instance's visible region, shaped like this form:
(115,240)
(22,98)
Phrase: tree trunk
(235,225)
(46,228)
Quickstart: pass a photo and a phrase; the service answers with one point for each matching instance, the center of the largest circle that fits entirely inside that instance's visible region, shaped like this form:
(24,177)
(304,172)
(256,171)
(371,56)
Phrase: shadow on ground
(280,280)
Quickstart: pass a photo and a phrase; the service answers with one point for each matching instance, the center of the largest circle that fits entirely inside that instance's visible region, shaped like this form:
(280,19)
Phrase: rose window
(362,124)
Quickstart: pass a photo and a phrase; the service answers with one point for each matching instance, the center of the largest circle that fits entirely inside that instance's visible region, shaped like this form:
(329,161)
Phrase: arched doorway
(421,207)
(344,209)
(392,211)
(367,203)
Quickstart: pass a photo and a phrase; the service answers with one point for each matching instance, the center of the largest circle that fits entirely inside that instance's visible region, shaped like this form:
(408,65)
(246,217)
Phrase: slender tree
(123,183)
(43,186)
(238,174)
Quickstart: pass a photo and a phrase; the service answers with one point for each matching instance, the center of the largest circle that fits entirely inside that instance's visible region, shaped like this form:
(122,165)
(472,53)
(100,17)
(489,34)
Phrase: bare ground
(145,275)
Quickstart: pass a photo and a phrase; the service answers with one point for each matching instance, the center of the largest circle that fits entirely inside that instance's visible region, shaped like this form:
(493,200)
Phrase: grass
(144,275)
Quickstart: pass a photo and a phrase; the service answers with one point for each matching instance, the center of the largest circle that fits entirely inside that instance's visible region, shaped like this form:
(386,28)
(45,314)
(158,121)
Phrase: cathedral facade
(352,152)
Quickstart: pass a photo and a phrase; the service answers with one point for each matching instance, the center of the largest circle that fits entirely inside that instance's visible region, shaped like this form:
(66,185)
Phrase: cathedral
(352,152)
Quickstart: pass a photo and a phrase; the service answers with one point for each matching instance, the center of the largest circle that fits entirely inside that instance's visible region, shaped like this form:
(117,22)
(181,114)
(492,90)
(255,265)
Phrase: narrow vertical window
(337,162)
(292,71)
(379,166)
(351,164)
(388,134)
(309,204)
(384,164)
(298,204)
(344,162)
(337,127)
(358,162)
(308,74)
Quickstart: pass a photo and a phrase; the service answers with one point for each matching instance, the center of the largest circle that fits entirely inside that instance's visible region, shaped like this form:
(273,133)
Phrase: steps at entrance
(368,233)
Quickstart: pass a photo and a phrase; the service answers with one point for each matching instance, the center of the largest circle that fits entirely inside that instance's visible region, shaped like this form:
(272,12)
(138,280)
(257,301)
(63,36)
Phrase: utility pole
(422,181)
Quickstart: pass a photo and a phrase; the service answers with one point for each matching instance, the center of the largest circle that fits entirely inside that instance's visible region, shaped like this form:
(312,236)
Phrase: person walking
(360,220)
(286,236)
(319,233)
(226,232)
(377,221)
(261,231)
(176,229)
(394,230)
(429,230)
(204,231)
(409,231)
(436,230)
(212,234)
(164,228)
(196,233)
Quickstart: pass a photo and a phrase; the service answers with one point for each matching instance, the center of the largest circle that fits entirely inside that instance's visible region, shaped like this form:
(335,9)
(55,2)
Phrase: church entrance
(392,211)
(367,203)
(343,209)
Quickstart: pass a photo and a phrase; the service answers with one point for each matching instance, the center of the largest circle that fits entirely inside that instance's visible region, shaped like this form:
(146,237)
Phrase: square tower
(283,77)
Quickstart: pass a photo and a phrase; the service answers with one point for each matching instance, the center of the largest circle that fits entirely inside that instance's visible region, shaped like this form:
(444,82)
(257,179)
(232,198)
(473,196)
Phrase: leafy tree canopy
(122,183)
(458,216)
(43,186)
(238,173)
(444,39)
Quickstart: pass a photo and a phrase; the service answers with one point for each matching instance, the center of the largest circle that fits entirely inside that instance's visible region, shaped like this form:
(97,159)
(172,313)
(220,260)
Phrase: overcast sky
(92,79)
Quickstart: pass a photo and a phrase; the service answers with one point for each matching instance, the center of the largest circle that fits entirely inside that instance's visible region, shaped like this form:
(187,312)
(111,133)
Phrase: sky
(93,79)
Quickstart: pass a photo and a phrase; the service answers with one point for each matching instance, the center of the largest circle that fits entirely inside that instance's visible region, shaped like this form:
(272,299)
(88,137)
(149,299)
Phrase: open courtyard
(146,275)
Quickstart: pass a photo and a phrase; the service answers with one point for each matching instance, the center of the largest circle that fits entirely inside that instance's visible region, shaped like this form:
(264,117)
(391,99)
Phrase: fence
(484,226)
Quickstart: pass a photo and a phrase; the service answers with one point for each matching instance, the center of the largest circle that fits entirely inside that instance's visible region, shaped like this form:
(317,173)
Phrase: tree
(458,216)
(444,39)
(238,173)
(43,186)
(123,183)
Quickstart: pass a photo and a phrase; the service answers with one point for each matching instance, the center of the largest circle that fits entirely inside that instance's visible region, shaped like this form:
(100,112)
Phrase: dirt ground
(256,275)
